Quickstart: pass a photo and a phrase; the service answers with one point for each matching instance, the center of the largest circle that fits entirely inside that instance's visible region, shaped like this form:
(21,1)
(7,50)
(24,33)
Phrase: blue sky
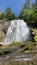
(15,5)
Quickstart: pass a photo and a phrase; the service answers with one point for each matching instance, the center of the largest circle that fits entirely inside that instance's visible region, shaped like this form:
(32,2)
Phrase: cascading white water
(18,31)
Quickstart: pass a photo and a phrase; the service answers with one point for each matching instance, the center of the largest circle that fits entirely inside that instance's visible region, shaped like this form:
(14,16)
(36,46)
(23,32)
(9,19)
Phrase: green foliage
(35,38)
(27,4)
(27,51)
(9,14)
(29,13)
(2,16)
(34,6)
(26,14)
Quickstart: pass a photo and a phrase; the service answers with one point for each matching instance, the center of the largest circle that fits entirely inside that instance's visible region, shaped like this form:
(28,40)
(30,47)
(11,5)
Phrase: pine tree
(27,4)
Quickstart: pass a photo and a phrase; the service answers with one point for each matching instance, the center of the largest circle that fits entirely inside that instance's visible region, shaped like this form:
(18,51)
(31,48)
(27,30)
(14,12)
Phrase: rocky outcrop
(3,28)
(2,35)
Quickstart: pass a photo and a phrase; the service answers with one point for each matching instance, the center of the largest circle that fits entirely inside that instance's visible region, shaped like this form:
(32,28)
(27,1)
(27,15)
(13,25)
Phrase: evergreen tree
(27,4)
(9,14)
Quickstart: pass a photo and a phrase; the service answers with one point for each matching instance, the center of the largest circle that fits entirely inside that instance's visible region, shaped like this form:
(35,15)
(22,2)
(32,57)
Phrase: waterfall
(18,31)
